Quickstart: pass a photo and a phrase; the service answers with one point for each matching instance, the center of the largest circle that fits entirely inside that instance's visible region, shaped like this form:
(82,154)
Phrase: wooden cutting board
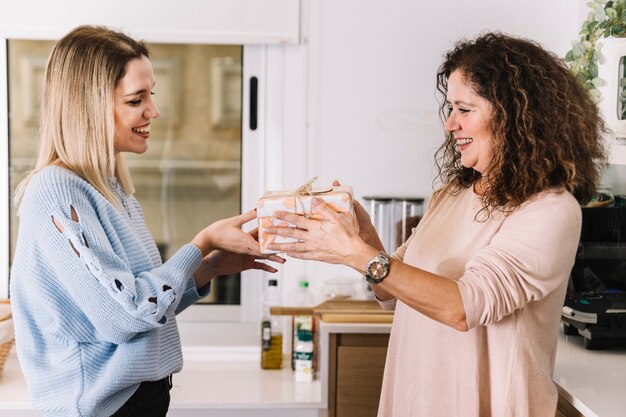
(353,311)
(341,311)
(291,311)
(356,318)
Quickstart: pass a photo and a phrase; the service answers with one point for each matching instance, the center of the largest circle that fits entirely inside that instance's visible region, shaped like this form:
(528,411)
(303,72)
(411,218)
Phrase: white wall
(375,61)
(368,112)
(354,100)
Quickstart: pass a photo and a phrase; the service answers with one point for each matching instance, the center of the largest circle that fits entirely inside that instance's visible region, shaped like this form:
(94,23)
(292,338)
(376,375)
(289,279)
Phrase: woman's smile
(143,131)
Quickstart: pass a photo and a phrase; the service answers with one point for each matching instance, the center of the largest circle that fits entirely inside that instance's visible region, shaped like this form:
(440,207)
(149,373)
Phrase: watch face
(377,269)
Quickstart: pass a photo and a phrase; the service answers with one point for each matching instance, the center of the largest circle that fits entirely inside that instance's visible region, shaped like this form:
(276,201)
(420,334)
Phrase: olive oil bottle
(271,330)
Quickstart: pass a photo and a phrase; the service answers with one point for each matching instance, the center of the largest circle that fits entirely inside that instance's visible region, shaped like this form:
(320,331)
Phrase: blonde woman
(94,306)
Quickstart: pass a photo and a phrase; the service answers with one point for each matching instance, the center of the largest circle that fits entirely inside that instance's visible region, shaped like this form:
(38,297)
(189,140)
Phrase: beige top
(512,272)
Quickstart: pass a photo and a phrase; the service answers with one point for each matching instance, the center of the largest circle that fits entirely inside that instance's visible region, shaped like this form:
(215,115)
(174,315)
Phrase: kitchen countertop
(591,381)
(232,385)
(224,383)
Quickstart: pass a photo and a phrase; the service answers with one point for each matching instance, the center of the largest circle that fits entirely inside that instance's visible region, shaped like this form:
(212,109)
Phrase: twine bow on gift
(307,190)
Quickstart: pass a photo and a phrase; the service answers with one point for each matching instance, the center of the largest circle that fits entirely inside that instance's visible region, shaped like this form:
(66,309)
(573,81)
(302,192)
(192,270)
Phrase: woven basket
(5,349)
(6,333)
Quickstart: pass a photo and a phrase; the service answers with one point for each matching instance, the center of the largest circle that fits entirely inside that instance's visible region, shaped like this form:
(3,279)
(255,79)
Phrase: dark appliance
(595,305)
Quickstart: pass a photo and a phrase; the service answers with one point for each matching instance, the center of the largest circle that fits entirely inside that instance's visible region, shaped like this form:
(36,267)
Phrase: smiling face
(133,107)
(469,123)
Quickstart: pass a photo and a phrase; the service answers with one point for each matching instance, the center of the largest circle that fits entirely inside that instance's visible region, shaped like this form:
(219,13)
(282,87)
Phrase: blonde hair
(77,124)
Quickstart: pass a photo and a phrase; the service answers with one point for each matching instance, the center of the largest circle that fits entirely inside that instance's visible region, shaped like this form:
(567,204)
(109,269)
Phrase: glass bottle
(302,298)
(303,354)
(271,329)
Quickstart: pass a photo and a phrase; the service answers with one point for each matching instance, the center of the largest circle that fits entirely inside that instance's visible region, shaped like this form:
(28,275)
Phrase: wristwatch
(377,269)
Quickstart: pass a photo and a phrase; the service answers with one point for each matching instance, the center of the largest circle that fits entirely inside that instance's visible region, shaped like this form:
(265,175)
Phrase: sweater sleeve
(115,286)
(530,256)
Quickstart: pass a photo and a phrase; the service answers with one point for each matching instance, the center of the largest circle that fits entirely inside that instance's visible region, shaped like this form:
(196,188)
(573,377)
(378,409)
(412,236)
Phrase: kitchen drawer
(356,369)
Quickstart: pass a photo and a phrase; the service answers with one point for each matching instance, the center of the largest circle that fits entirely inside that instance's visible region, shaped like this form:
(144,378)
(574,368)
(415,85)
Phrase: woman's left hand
(226,263)
(330,239)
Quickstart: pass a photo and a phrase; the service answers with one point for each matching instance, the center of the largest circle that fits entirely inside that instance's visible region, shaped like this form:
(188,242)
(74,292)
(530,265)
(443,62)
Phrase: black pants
(152,399)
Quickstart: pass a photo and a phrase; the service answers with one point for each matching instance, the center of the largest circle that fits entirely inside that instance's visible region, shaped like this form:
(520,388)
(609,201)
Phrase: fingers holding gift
(321,208)
(310,249)
(290,248)
(286,231)
(298,220)
(324,240)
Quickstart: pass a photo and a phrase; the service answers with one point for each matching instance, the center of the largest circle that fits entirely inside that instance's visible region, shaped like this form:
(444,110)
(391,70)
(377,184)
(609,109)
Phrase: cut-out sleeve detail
(74,214)
(74,248)
(133,302)
(57,224)
(60,213)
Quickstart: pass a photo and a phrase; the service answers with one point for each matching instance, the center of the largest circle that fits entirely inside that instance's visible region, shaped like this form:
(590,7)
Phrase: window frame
(204,324)
(4,173)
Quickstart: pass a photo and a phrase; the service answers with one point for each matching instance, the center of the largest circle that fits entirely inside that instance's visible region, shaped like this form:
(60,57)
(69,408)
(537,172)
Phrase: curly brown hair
(547,129)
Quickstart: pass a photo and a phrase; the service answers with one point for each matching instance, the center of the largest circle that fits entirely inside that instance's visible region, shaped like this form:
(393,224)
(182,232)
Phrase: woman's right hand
(227,235)
(227,249)
(367,231)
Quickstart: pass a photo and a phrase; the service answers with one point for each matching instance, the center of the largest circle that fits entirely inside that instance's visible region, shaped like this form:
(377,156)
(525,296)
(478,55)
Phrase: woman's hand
(220,262)
(330,239)
(367,231)
(226,263)
(227,235)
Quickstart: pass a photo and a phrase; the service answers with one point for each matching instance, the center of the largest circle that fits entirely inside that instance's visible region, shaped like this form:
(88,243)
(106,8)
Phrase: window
(266,30)
(191,174)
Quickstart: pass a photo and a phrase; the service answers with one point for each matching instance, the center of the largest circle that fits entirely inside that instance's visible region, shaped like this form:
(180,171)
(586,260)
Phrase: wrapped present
(298,201)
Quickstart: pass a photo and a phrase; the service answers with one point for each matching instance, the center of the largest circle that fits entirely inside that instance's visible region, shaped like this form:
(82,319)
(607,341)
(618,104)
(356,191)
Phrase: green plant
(606,19)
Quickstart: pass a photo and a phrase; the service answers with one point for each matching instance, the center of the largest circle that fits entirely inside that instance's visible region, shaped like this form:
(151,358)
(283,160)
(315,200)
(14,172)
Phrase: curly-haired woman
(479,286)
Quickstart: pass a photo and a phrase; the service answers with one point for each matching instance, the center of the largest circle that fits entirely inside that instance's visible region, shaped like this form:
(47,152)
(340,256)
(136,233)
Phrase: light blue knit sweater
(94,308)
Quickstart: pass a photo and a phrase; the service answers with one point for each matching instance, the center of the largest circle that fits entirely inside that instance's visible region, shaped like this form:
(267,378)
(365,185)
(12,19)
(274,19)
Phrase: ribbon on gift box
(307,190)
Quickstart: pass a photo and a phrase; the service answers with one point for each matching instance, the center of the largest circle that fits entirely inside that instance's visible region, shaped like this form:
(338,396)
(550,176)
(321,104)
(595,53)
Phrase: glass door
(191,174)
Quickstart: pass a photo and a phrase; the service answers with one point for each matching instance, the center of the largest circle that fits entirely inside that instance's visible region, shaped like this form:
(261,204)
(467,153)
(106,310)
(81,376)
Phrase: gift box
(298,201)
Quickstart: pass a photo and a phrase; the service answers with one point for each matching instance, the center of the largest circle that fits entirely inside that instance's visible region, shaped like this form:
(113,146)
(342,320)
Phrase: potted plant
(606,19)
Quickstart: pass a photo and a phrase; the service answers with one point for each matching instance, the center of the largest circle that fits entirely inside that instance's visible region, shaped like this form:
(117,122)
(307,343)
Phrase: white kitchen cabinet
(183,21)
